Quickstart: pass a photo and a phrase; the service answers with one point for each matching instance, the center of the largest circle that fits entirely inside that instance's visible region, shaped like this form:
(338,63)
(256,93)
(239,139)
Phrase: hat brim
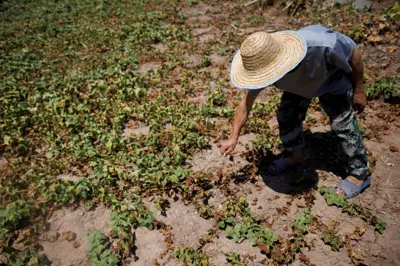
(292,52)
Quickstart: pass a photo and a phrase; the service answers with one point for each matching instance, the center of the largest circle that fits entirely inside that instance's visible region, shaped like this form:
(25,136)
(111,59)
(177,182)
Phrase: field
(111,117)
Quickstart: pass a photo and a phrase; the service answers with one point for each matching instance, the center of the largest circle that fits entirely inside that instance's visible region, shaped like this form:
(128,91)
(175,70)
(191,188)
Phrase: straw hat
(265,58)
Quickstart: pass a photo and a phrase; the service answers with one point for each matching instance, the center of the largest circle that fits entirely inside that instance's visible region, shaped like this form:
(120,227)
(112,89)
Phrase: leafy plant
(352,209)
(256,19)
(380,226)
(332,198)
(239,224)
(393,12)
(99,252)
(303,220)
(355,33)
(386,88)
(222,52)
(235,23)
(191,257)
(333,240)
(13,214)
(192,2)
(216,98)
(234,259)
(206,61)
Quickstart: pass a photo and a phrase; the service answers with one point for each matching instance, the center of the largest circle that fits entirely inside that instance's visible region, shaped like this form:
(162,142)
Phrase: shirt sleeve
(341,53)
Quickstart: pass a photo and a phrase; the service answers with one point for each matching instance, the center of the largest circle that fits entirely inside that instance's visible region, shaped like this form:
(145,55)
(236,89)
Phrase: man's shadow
(323,154)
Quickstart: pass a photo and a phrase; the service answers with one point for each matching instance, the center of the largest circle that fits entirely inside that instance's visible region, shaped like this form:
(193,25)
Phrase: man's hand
(360,100)
(227,146)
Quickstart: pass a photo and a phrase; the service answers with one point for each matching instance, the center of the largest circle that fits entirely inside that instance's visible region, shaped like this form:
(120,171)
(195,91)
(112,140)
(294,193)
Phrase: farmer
(314,61)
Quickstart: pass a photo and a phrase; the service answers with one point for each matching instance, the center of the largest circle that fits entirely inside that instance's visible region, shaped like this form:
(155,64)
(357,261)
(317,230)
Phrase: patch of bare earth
(149,66)
(187,225)
(218,60)
(221,245)
(160,47)
(150,247)
(211,159)
(66,241)
(133,128)
(205,34)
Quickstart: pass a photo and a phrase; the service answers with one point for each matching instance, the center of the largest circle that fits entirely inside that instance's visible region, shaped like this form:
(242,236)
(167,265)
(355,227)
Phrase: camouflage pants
(292,112)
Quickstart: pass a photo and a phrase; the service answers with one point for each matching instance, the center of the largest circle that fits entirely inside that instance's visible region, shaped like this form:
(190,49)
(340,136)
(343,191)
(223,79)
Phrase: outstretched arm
(242,113)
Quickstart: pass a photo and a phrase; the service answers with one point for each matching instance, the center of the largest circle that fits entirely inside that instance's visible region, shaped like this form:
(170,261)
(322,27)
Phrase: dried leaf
(356,256)
(393,149)
(375,39)
(69,236)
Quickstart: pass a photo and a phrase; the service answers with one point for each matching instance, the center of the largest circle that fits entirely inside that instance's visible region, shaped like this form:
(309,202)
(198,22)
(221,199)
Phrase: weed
(302,221)
(379,225)
(206,61)
(256,19)
(332,240)
(239,224)
(332,198)
(393,12)
(192,3)
(191,257)
(222,52)
(352,209)
(234,259)
(386,88)
(235,23)
(99,252)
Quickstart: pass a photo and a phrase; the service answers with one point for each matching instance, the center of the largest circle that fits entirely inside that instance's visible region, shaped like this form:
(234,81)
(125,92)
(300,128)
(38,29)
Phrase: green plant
(352,209)
(192,2)
(332,198)
(355,33)
(380,226)
(235,23)
(206,61)
(303,220)
(234,259)
(239,224)
(393,12)
(191,257)
(256,19)
(13,214)
(222,52)
(386,88)
(216,98)
(333,240)
(99,252)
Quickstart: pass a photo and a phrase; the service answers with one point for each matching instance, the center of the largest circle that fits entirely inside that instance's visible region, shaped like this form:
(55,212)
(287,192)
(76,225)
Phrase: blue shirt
(325,68)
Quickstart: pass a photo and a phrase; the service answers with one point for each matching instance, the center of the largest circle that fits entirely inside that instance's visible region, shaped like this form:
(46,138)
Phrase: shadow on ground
(323,154)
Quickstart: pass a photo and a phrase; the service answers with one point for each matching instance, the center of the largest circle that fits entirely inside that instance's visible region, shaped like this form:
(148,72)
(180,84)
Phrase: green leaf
(333,240)
(332,198)
(380,226)
(6,140)
(253,237)
(221,225)
(303,220)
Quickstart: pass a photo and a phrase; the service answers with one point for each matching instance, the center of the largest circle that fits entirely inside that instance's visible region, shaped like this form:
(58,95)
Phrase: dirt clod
(393,149)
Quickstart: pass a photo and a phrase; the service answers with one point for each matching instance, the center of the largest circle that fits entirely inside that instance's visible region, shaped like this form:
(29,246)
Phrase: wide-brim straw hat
(265,58)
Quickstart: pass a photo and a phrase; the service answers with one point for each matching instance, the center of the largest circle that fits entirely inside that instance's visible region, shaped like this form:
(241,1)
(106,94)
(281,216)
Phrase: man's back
(325,67)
